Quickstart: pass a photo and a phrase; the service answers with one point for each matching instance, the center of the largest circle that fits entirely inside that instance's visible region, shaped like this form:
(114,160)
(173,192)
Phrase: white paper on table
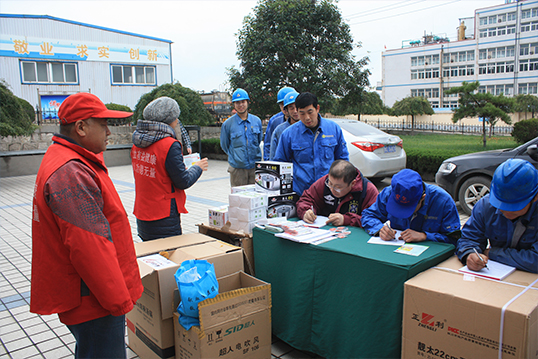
(393,242)
(496,270)
(319,222)
(315,234)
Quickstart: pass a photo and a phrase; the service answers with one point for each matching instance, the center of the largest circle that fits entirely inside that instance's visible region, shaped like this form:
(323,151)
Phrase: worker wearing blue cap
(508,218)
(421,211)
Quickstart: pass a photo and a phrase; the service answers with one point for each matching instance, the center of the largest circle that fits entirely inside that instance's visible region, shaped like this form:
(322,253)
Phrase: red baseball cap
(83,105)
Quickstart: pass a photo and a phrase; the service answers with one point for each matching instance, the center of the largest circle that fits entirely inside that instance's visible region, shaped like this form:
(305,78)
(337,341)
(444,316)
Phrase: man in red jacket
(83,259)
(341,195)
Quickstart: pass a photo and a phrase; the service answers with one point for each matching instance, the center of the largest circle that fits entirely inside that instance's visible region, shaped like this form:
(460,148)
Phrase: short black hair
(306,99)
(342,169)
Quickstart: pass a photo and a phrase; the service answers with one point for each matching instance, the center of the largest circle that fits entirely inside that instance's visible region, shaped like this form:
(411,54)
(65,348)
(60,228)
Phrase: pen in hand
(481,259)
(393,233)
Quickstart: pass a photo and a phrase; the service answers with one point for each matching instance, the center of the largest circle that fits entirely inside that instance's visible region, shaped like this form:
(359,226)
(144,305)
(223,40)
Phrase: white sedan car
(375,153)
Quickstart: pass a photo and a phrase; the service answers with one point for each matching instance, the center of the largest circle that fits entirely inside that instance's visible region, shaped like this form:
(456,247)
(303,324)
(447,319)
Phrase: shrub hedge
(209,145)
(525,130)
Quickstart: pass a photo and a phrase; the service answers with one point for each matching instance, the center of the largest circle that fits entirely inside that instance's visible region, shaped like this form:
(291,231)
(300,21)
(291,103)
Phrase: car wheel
(471,191)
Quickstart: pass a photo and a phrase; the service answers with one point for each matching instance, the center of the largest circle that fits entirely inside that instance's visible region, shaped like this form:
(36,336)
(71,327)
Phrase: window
(524,65)
(509,67)
(434,104)
(462,71)
(533,88)
(510,51)
(490,89)
(483,21)
(534,25)
(414,75)
(428,73)
(522,89)
(483,33)
(526,14)
(446,58)
(526,27)
(524,49)
(492,53)
(453,71)
(510,29)
(511,16)
(420,61)
(49,72)
(482,69)
(454,57)
(421,74)
(509,89)
(428,60)
(137,75)
(501,18)
(413,93)
(482,89)
(470,55)
(435,72)
(435,92)
(535,12)
(462,56)
(413,61)
(492,32)
(446,72)
(501,52)
(470,70)
(491,68)
(501,31)
(482,54)
(499,89)
(492,19)
(435,59)
(500,67)
(534,48)
(427,93)
(420,93)
(533,65)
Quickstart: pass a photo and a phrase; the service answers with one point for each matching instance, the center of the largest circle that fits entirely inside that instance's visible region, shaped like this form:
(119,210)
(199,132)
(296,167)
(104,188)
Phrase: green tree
(526,103)
(366,103)
(484,105)
(16,118)
(412,106)
(192,107)
(304,44)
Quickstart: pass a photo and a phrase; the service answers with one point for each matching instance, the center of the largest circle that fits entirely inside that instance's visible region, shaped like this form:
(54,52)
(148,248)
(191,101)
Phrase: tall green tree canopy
(361,103)
(192,107)
(484,105)
(302,43)
(412,106)
(526,103)
(16,114)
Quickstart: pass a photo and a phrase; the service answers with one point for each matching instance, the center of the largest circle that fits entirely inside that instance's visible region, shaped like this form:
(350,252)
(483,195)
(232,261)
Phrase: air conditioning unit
(532,52)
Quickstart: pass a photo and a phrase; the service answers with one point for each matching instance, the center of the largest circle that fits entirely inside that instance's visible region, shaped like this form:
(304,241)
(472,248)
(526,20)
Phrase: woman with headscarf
(159,171)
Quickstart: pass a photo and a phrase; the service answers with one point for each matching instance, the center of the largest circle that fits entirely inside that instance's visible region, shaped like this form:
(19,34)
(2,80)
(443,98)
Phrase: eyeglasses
(336,189)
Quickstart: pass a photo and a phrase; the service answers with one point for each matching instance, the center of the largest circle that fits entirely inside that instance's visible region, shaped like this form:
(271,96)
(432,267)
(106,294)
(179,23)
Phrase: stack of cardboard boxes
(150,324)
(272,196)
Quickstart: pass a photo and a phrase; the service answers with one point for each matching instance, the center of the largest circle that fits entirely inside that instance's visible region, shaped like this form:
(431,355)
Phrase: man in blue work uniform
(312,145)
(293,116)
(508,218)
(275,120)
(421,211)
(240,138)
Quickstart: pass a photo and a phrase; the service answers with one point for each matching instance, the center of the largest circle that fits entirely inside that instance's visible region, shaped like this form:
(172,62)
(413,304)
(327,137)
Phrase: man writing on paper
(422,211)
(508,218)
(341,195)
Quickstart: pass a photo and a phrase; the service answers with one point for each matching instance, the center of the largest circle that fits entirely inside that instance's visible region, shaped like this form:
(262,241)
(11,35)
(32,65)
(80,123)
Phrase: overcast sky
(204,32)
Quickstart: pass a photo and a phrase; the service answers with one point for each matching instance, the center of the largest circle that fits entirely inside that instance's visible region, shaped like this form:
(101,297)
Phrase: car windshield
(357,128)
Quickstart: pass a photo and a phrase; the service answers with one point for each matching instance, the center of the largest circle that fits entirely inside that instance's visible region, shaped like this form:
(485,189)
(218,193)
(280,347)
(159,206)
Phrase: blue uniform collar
(239,120)
(321,121)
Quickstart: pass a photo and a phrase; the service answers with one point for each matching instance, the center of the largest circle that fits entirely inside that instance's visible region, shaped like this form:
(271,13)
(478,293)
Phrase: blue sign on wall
(50,104)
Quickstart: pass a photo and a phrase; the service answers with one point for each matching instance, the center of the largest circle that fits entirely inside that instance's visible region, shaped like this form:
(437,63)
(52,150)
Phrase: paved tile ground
(27,335)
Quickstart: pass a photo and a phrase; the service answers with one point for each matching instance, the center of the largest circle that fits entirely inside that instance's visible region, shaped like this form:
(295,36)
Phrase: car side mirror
(533,152)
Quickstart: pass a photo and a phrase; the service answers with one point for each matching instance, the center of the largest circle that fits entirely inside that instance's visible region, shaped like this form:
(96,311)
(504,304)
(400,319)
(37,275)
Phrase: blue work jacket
(276,137)
(274,121)
(240,140)
(438,217)
(311,153)
(488,222)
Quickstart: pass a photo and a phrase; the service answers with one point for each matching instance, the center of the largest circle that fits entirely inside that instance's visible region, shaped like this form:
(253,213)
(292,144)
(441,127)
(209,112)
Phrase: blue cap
(406,191)
(514,185)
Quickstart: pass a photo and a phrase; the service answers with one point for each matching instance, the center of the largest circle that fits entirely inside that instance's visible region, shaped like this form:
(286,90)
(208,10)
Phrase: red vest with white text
(153,184)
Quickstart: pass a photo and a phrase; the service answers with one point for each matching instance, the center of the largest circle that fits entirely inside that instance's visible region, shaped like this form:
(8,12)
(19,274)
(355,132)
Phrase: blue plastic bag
(196,281)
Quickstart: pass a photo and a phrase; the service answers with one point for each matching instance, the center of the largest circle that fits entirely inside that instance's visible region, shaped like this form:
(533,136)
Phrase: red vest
(66,251)
(153,185)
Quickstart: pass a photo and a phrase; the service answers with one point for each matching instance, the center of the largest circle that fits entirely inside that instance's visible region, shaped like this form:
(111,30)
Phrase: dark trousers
(100,338)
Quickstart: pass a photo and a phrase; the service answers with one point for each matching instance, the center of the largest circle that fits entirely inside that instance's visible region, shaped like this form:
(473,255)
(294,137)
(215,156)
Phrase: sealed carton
(244,188)
(235,324)
(282,205)
(451,315)
(242,226)
(218,216)
(150,324)
(246,215)
(247,200)
(274,177)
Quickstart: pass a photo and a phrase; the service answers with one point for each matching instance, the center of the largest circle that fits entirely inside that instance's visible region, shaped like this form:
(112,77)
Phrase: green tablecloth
(342,298)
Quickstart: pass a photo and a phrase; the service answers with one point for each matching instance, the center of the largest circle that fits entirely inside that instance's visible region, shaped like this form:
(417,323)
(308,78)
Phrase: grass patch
(425,153)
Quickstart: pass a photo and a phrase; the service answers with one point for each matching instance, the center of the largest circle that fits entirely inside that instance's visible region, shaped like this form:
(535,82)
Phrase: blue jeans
(100,338)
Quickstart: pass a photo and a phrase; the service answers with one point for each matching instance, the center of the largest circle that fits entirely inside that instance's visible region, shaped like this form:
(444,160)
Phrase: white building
(501,53)
(44,59)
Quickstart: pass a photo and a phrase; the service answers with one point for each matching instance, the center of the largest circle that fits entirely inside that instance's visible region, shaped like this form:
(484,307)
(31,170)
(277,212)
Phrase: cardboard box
(282,205)
(246,215)
(150,324)
(274,177)
(191,159)
(218,216)
(248,200)
(242,226)
(449,315)
(245,188)
(235,324)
